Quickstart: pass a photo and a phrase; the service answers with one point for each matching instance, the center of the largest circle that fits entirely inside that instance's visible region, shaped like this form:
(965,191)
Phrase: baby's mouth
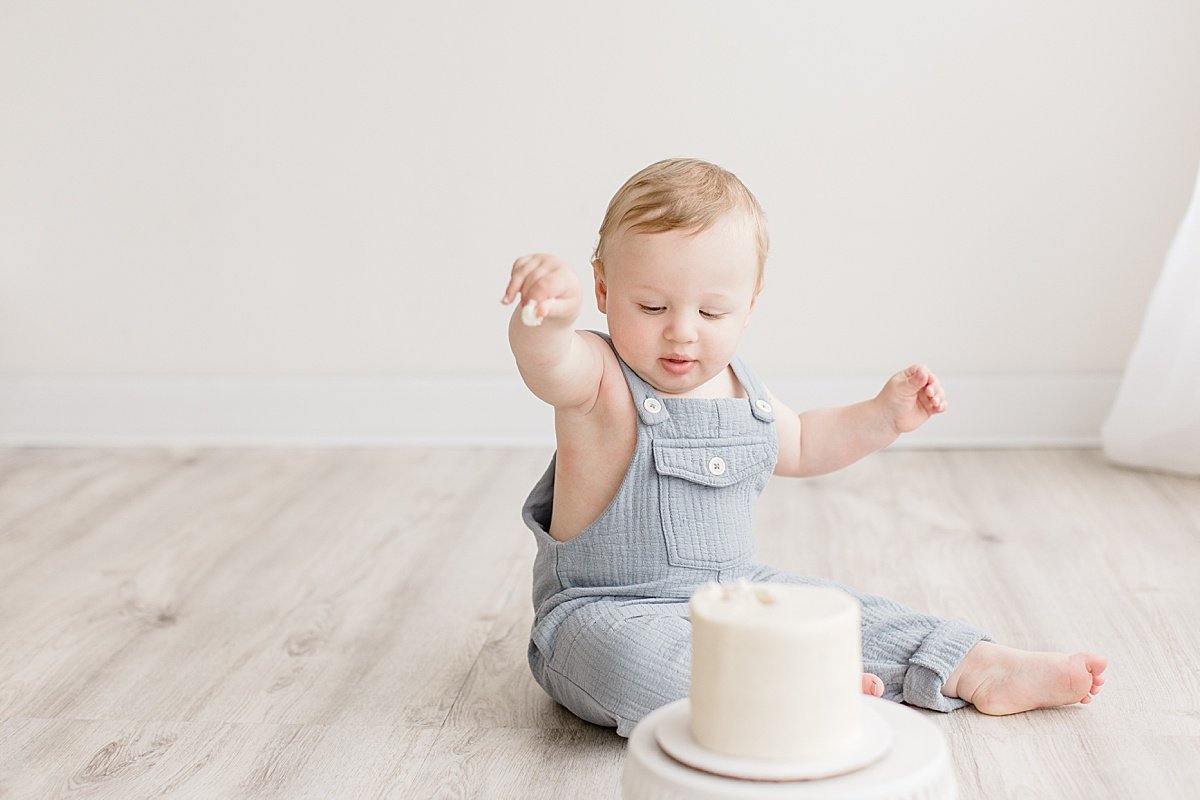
(677,365)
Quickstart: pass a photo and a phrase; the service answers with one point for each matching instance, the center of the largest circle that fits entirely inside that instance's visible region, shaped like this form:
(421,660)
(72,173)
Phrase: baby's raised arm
(826,439)
(559,364)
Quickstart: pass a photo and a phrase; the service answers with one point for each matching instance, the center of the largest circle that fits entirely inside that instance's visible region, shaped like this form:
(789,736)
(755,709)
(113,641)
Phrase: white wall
(251,221)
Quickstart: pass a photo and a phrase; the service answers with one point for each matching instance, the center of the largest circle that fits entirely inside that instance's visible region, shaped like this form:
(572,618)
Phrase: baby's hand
(911,397)
(549,289)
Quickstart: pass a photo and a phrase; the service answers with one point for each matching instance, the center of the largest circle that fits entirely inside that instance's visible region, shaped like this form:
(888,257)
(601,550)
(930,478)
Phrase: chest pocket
(707,490)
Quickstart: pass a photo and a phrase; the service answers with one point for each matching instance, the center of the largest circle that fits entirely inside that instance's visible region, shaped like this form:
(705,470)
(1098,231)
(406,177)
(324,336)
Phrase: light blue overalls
(611,637)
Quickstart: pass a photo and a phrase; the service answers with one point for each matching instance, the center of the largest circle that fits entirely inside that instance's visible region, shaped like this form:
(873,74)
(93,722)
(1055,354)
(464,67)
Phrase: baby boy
(665,438)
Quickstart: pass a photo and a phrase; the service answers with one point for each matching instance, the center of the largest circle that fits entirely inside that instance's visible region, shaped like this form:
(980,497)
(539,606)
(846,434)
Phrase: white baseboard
(984,411)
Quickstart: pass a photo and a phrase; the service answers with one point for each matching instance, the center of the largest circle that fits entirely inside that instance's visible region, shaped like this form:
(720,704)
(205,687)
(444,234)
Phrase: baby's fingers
(933,397)
(520,274)
(918,375)
(538,275)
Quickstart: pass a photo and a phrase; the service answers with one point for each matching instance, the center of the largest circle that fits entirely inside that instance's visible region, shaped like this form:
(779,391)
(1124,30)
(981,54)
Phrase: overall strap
(756,392)
(650,407)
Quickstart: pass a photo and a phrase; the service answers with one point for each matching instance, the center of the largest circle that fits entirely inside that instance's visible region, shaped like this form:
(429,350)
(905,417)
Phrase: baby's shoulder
(613,394)
(613,410)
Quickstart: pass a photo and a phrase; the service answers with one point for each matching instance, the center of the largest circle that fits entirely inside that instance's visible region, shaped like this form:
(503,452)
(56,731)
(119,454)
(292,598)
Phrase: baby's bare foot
(1000,680)
(872,685)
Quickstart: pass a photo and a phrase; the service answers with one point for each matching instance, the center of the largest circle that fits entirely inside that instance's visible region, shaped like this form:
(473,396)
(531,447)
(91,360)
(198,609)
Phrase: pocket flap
(712,462)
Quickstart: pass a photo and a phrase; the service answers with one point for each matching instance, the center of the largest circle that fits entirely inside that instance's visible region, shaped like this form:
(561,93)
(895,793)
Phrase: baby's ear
(750,313)
(601,286)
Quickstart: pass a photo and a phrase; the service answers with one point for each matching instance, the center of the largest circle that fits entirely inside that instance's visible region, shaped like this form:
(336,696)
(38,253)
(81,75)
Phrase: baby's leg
(1004,680)
(913,653)
(919,656)
(615,663)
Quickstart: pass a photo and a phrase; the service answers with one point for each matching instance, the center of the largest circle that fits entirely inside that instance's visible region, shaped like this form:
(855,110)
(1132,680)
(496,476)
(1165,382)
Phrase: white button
(763,406)
(716,466)
(652,405)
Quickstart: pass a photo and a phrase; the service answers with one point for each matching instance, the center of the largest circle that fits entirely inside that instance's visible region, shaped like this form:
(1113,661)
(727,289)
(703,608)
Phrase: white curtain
(1155,421)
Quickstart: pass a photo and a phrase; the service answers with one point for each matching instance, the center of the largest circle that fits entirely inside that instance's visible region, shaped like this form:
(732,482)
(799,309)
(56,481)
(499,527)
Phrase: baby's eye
(714,314)
(650,309)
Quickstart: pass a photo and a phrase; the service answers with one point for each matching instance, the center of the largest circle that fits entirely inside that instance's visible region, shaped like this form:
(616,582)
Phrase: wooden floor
(353,623)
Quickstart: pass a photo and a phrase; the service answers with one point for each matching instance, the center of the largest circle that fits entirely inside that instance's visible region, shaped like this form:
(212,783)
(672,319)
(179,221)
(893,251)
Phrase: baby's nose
(681,328)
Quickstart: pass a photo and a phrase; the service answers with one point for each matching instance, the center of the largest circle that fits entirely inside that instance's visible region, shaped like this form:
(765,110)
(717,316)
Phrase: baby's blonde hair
(681,194)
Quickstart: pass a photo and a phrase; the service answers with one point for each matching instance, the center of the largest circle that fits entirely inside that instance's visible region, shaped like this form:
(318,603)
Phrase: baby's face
(677,302)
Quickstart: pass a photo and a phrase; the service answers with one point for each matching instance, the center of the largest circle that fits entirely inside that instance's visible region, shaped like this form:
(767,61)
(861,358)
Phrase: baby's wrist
(888,424)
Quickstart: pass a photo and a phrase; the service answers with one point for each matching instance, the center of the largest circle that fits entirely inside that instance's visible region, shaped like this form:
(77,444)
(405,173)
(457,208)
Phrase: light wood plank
(124,759)
(578,762)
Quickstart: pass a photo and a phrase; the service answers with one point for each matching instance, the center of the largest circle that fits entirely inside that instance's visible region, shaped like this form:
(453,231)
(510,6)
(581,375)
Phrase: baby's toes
(872,685)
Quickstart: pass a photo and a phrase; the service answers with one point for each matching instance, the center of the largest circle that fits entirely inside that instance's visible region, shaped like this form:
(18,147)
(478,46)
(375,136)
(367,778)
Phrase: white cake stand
(915,767)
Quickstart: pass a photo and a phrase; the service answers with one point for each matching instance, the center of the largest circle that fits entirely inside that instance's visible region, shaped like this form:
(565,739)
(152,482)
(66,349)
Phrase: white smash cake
(776,670)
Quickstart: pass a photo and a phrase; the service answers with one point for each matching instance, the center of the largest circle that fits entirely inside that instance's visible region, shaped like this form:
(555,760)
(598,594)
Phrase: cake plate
(674,735)
(916,766)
